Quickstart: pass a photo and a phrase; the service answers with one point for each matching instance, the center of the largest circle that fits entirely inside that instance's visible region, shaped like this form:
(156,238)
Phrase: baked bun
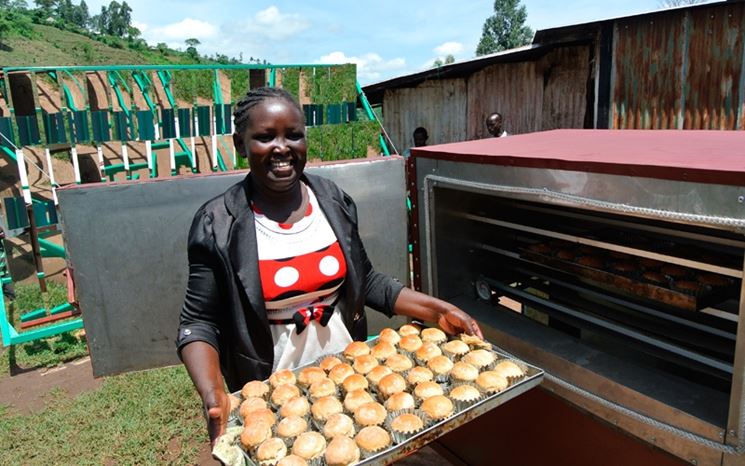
(399,363)
(465,393)
(355,399)
(407,424)
(433,335)
(370,414)
(297,406)
(329,362)
(455,348)
(255,389)
(342,451)
(399,401)
(419,374)
(282,393)
(437,407)
(308,375)
(309,445)
(713,280)
(340,372)
(425,390)
(291,426)
(364,364)
(282,377)
(508,369)
(566,255)
(356,348)
(388,335)
(390,384)
(410,343)
(322,387)
(382,350)
(265,416)
(594,262)
(255,433)
(324,407)
(338,425)
(271,450)
(479,358)
(355,382)
(491,382)
(378,373)
(427,351)
(463,372)
(408,329)
(655,278)
(251,404)
(234,402)
(292,460)
(440,365)
(372,439)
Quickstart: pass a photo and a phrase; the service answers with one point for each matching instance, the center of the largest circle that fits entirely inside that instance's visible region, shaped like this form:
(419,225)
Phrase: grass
(142,418)
(148,417)
(41,353)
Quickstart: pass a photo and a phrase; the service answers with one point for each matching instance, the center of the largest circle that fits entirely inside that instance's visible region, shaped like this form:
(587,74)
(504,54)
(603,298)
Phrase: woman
(277,272)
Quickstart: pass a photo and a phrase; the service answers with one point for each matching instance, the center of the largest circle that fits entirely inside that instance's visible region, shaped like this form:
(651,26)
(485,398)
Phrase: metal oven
(611,259)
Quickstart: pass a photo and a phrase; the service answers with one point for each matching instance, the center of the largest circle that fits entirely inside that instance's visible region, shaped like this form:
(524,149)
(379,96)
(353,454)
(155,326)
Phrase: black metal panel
(127,245)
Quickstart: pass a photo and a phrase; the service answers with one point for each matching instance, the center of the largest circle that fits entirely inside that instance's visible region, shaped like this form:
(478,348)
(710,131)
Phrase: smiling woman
(278,275)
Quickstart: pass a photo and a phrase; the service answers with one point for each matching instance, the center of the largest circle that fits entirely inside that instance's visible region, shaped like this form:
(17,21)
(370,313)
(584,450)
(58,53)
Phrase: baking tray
(636,287)
(533,378)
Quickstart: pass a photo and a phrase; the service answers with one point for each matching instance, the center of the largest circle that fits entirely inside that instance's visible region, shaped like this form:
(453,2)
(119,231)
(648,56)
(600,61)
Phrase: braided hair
(254,97)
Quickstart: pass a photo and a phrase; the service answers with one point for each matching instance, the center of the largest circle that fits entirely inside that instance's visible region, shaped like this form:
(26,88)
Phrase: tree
(449,59)
(191,48)
(81,16)
(46,7)
(675,3)
(505,29)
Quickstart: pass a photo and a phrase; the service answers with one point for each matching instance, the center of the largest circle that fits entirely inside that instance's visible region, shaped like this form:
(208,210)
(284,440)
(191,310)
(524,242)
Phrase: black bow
(321,313)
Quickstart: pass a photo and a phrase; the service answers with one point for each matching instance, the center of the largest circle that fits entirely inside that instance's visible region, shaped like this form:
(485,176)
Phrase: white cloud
(139,25)
(184,29)
(275,25)
(371,67)
(449,48)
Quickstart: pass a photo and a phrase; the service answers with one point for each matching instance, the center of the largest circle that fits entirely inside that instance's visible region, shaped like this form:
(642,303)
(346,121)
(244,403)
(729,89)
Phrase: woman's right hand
(217,410)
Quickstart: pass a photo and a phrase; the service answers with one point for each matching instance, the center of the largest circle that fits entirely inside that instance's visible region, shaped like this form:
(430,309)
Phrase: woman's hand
(451,319)
(217,410)
(454,321)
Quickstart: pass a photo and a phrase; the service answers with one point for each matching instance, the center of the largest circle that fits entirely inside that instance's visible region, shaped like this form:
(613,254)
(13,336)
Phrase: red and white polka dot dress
(301,265)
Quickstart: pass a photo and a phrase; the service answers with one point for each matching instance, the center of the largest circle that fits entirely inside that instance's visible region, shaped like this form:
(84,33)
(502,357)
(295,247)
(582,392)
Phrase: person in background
(494,125)
(420,139)
(278,275)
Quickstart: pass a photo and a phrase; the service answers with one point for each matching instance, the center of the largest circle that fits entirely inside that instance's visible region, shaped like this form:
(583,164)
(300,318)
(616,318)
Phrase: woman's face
(274,142)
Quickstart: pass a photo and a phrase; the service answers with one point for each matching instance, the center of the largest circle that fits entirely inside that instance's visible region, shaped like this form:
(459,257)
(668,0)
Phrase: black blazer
(224,304)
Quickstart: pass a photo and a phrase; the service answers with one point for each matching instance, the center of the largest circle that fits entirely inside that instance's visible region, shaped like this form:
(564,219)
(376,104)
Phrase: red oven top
(716,157)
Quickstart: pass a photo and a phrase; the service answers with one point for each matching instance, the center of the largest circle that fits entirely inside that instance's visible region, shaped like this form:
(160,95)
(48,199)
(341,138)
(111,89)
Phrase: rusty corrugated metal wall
(439,106)
(683,69)
(536,95)
(512,89)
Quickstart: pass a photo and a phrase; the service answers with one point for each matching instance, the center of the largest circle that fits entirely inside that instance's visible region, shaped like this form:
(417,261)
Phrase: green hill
(52,46)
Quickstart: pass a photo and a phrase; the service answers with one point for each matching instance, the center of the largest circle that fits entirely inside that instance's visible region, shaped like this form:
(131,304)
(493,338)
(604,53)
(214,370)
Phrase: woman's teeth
(279,165)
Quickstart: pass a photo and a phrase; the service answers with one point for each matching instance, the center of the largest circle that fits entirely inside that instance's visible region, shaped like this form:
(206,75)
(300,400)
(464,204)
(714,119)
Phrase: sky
(385,38)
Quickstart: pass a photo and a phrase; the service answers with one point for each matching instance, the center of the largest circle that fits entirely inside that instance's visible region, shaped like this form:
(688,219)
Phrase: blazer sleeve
(200,314)
(381,290)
